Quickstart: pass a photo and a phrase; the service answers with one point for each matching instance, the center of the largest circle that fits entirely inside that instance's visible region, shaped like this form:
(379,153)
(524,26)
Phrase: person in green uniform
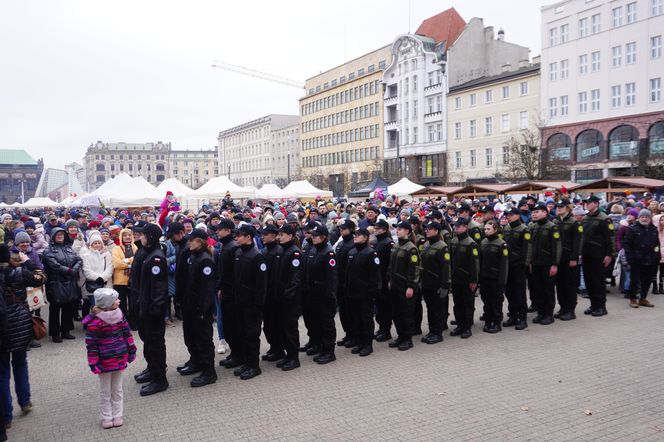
(435,281)
(517,238)
(493,276)
(567,279)
(465,258)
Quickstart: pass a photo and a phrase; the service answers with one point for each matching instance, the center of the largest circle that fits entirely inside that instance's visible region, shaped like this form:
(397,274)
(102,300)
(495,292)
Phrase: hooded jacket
(96,264)
(62,265)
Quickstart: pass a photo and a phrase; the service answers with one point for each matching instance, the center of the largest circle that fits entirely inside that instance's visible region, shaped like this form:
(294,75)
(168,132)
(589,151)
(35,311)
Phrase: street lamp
(288,160)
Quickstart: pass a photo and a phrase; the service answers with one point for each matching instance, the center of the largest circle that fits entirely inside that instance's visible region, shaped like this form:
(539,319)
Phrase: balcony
(433,88)
(391,99)
(433,116)
(391,125)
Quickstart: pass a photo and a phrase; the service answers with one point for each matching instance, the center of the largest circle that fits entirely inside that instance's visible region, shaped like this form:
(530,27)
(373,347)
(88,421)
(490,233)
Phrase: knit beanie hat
(633,212)
(30,224)
(645,212)
(71,222)
(22,237)
(105,297)
(94,236)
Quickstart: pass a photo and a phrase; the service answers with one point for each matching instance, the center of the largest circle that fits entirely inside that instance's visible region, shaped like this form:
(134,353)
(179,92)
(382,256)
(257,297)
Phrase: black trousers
(151,331)
(492,297)
(249,328)
(307,315)
(362,326)
(287,326)
(567,280)
(188,323)
(464,305)
(515,292)
(323,331)
(437,310)
(594,274)
(271,325)
(418,312)
(132,314)
(60,318)
(383,311)
(344,305)
(123,291)
(403,313)
(230,322)
(543,286)
(203,341)
(640,279)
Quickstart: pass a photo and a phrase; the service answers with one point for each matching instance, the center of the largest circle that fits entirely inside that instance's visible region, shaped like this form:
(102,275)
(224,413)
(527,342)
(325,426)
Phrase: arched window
(160,167)
(656,138)
(100,178)
(100,167)
(560,147)
(623,143)
(589,146)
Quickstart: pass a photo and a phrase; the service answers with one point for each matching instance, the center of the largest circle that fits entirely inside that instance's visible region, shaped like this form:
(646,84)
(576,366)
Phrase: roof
(621,184)
(16,157)
(444,27)
(533,68)
(483,189)
(532,186)
(437,190)
(368,188)
(53,179)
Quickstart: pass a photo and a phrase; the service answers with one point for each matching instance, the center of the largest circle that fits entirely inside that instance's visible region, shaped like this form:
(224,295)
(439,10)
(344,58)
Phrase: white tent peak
(217,188)
(269,191)
(404,187)
(175,186)
(304,189)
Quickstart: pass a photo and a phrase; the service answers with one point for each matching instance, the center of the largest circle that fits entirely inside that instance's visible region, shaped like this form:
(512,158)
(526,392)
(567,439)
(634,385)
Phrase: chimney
(501,35)
(506,67)
(524,63)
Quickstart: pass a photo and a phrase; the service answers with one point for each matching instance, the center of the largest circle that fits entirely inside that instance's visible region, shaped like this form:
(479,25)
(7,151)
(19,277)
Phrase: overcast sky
(74,72)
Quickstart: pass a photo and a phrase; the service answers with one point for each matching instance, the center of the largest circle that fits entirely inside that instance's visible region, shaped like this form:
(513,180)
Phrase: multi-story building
(58,184)
(485,115)
(286,159)
(153,161)
(601,93)
(444,51)
(342,124)
(248,153)
(19,175)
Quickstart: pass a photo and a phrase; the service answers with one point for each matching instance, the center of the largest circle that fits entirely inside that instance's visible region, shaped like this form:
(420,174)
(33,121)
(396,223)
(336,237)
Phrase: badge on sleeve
(377,260)
(156,270)
(505,252)
(556,235)
(413,259)
(447,257)
(580,229)
(332,262)
(263,267)
(477,236)
(296,262)
(475,252)
(527,236)
(611,226)
(207,271)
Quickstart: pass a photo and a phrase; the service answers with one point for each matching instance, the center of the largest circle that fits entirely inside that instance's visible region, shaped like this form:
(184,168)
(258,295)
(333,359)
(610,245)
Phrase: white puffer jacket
(96,264)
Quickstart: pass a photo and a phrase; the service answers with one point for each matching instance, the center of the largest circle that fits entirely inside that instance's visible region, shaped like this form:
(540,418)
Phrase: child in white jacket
(97,269)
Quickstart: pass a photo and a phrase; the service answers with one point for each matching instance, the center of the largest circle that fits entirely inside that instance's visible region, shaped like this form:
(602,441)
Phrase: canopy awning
(174,185)
(364,191)
(541,186)
(137,193)
(217,188)
(268,192)
(620,184)
(404,187)
(475,190)
(34,203)
(437,191)
(304,190)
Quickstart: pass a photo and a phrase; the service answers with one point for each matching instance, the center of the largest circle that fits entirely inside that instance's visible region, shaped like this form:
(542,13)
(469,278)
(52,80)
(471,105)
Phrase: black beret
(362,232)
(404,225)
(288,229)
(433,225)
(461,222)
(540,206)
(199,233)
(513,211)
(226,223)
(347,224)
(270,228)
(173,228)
(592,199)
(381,223)
(463,208)
(373,209)
(564,203)
(320,230)
(246,229)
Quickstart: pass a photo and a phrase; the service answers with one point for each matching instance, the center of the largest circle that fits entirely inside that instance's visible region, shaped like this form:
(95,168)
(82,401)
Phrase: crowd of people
(242,269)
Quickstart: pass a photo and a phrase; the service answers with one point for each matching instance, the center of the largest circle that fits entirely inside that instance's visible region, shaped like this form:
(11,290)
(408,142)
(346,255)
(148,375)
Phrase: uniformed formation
(366,276)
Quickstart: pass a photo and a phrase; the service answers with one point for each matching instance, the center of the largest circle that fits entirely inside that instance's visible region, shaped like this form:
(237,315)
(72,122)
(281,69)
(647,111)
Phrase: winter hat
(169,193)
(278,216)
(105,297)
(202,227)
(21,237)
(94,236)
(5,216)
(633,212)
(645,212)
(30,224)
(71,222)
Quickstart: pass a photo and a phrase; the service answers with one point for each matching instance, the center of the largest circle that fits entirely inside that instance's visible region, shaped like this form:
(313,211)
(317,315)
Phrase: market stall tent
(137,193)
(437,191)
(174,185)
(364,191)
(34,203)
(475,190)
(616,184)
(112,185)
(217,187)
(540,186)
(269,191)
(404,187)
(304,190)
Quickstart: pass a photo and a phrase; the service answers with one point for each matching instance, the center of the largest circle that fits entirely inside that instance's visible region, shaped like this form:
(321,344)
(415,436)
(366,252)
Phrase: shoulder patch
(556,235)
(295,262)
(156,270)
(505,252)
(611,227)
(332,262)
(413,258)
(447,256)
(377,260)
(263,267)
(475,252)
(526,236)
(580,228)
(207,270)
(477,235)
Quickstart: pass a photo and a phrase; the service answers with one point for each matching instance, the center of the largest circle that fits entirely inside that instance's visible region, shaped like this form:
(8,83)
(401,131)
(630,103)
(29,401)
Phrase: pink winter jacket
(660,229)
(109,341)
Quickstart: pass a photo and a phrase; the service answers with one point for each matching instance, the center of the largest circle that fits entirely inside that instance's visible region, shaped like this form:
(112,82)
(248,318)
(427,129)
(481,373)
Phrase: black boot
(511,322)
(156,386)
(190,369)
(383,336)
(143,377)
(521,323)
(290,364)
(204,379)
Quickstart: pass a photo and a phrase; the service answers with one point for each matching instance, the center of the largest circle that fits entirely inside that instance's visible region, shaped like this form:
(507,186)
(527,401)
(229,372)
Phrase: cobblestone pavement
(589,379)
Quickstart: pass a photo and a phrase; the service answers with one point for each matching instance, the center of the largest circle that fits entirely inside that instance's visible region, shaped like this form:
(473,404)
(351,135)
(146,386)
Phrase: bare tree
(527,161)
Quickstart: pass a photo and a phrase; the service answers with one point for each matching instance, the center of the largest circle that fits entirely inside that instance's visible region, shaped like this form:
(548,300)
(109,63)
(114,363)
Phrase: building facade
(445,51)
(19,175)
(153,161)
(601,93)
(249,153)
(484,117)
(58,184)
(286,159)
(342,124)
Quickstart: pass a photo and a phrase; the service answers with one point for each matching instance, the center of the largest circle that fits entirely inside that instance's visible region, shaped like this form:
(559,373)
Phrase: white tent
(112,185)
(4,205)
(269,191)
(174,185)
(136,193)
(303,190)
(403,187)
(40,202)
(89,200)
(67,201)
(217,187)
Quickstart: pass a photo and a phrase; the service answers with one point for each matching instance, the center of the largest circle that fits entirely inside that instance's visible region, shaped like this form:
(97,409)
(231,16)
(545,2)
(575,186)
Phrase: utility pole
(288,160)
(22,192)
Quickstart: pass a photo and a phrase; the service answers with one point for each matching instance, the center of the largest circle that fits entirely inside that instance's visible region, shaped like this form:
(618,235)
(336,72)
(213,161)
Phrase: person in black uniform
(288,295)
(198,309)
(493,275)
(226,293)
(517,238)
(346,229)
(179,239)
(363,284)
(383,248)
(320,282)
(272,252)
(152,298)
(567,280)
(435,281)
(465,276)
(307,306)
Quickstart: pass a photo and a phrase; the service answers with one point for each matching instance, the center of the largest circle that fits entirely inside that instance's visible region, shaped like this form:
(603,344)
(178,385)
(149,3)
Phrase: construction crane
(257,74)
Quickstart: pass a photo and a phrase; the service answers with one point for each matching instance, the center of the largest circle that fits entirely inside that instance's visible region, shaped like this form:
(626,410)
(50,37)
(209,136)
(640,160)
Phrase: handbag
(38,327)
(35,298)
(91,286)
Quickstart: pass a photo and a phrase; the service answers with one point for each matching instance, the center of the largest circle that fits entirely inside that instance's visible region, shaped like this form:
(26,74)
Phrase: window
(406,108)
(430,78)
(439,132)
(583,64)
(457,103)
(616,53)
(655,89)
(616,95)
(432,133)
(505,122)
(594,61)
(439,103)
(472,128)
(594,100)
(414,135)
(488,125)
(457,130)
(553,71)
(430,105)
(488,96)
(473,158)
(523,88)
(457,160)
(553,107)
(583,102)
(583,27)
(656,46)
(506,154)
(488,157)
(564,105)
(564,33)
(523,120)
(506,92)
(414,82)
(657,7)
(631,12)
(564,69)
(617,16)
(553,36)
(414,109)
(473,99)
(630,94)
(630,53)
(595,24)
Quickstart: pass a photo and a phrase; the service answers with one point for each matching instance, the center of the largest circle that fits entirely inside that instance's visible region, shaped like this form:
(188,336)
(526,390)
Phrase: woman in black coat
(641,245)
(62,265)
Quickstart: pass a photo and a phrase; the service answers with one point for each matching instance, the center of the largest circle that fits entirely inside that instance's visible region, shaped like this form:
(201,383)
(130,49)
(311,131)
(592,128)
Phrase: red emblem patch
(332,263)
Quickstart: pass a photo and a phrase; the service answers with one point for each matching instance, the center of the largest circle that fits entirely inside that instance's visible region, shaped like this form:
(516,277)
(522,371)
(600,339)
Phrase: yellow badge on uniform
(475,252)
(504,252)
(556,235)
(478,236)
(611,226)
(527,236)
(413,258)
(580,229)
(447,257)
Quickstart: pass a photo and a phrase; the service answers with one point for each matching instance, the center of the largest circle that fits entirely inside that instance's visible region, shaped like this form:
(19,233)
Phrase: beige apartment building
(193,167)
(341,124)
(484,114)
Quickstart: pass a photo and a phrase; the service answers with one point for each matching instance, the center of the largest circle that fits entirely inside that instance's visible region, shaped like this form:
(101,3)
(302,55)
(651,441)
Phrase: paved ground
(538,384)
